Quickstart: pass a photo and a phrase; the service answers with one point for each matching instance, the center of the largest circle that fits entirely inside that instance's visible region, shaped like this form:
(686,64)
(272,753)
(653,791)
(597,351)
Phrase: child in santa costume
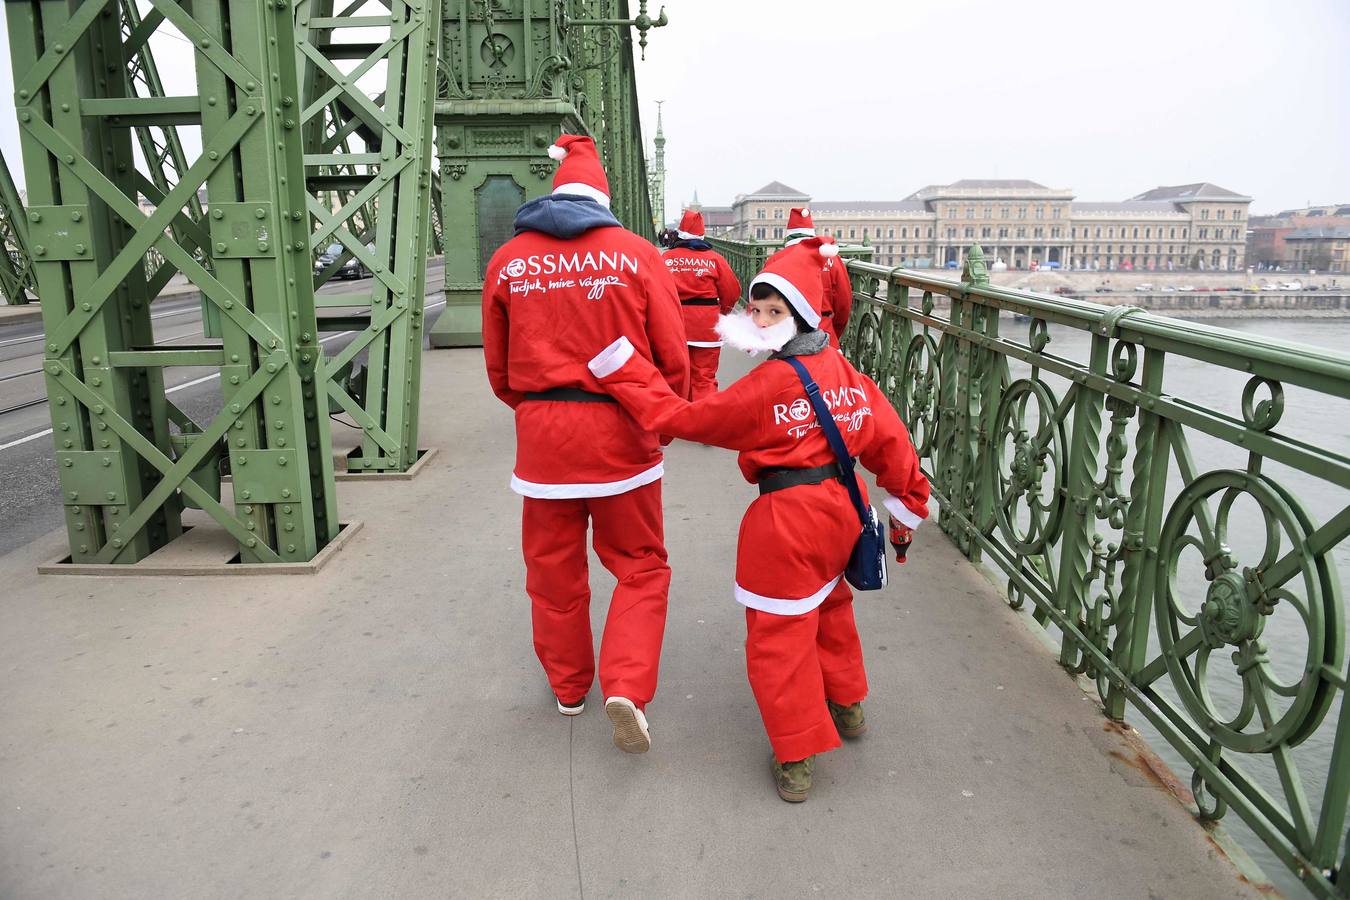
(707,288)
(568,281)
(837,300)
(803,656)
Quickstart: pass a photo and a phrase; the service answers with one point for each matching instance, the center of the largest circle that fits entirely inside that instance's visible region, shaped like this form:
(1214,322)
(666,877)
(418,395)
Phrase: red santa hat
(796,275)
(579,169)
(799,223)
(691,225)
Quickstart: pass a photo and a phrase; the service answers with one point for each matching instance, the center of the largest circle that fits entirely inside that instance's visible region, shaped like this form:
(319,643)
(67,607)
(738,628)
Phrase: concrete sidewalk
(382,729)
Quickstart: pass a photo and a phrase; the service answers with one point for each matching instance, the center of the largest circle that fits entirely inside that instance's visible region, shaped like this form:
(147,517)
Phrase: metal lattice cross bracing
(128,460)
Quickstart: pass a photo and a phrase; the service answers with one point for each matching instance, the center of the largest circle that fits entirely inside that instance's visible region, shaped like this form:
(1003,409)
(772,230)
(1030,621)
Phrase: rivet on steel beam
(117,542)
(98,409)
(252,542)
(229,304)
(67,463)
(220,246)
(39,250)
(107,462)
(204,43)
(79,249)
(111,495)
(243,460)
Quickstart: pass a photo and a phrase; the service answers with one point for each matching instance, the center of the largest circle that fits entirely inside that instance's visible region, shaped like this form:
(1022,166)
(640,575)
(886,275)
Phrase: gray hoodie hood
(562,215)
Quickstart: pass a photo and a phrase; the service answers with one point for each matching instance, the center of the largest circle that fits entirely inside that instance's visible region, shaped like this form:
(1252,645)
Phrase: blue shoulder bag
(866,568)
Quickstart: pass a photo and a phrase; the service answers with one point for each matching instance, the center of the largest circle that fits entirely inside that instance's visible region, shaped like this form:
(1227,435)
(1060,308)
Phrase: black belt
(699,301)
(775,478)
(574,395)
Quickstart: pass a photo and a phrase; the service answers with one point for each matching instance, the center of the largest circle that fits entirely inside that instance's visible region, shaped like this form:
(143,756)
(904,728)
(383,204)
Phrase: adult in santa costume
(569,280)
(707,288)
(803,656)
(837,298)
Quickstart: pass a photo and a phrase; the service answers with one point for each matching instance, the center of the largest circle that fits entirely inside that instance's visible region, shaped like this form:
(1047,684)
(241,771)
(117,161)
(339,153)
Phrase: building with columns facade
(1024,224)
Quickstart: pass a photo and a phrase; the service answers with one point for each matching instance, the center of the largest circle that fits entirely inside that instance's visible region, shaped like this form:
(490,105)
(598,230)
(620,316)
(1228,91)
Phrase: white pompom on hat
(579,169)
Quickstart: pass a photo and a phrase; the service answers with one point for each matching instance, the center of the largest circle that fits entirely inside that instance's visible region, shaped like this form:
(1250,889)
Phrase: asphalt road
(30,499)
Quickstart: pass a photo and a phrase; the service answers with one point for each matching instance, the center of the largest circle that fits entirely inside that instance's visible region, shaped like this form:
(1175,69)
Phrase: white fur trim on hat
(829,250)
(802,232)
(794,296)
(688,236)
(556,152)
(797,240)
(585,190)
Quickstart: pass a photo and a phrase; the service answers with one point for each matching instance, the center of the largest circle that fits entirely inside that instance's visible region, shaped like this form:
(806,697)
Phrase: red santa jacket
(702,276)
(837,300)
(794,543)
(548,302)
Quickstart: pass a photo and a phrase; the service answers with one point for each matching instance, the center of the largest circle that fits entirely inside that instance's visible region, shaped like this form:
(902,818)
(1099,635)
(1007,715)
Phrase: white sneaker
(572,710)
(630,725)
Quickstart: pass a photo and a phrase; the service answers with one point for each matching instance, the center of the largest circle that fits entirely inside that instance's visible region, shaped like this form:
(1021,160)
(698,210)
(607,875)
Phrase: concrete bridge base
(382,729)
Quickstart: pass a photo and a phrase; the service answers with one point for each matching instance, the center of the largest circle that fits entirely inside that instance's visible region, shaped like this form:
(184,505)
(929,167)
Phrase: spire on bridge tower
(656,174)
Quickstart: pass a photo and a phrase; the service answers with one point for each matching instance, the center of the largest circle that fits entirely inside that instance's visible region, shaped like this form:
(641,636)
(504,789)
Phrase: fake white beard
(740,331)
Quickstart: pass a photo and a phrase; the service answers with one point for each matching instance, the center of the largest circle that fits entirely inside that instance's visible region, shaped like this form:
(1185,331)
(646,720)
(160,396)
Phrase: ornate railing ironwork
(1092,491)
(747,257)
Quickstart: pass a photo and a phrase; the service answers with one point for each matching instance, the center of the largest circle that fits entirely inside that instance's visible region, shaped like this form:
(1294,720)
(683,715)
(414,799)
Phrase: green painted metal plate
(242,230)
(91,477)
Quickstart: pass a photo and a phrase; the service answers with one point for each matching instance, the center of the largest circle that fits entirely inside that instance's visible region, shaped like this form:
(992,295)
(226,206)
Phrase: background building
(1024,224)
(762,215)
(1266,235)
(1320,249)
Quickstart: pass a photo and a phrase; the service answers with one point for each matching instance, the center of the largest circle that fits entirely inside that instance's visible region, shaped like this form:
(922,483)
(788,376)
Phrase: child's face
(769,311)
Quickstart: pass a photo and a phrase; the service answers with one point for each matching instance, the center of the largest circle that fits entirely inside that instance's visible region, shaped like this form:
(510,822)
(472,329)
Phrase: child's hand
(900,539)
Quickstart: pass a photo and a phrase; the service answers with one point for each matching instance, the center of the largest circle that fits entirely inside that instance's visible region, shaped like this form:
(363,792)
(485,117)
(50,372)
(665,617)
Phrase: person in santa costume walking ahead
(802,652)
(836,302)
(569,280)
(707,288)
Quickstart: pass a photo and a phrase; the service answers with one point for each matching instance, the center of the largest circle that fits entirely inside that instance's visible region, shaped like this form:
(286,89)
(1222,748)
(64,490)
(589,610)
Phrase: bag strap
(836,440)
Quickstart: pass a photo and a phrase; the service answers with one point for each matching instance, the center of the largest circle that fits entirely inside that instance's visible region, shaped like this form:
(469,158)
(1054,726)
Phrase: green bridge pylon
(513,79)
(127,458)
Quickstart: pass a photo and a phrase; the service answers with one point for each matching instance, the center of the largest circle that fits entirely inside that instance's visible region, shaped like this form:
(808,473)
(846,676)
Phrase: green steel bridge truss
(1119,511)
(368,89)
(334,142)
(128,459)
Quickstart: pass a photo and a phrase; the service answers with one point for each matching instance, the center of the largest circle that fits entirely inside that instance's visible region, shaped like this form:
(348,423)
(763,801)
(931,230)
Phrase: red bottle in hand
(900,537)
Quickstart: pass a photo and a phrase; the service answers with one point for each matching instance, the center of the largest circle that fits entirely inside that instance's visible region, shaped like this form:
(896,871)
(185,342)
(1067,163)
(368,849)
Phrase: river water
(1309,417)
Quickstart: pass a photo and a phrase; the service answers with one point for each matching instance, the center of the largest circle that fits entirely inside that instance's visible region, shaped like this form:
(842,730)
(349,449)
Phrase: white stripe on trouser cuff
(704,343)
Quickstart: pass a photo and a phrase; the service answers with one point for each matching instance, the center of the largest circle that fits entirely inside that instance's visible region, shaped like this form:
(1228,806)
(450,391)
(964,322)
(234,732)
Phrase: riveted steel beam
(366,114)
(128,460)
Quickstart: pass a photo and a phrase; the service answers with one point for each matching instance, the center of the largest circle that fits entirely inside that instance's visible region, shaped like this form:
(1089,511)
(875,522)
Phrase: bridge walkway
(382,729)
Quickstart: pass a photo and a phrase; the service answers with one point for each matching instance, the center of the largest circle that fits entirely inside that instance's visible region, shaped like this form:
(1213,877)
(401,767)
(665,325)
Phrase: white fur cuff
(612,358)
(901,512)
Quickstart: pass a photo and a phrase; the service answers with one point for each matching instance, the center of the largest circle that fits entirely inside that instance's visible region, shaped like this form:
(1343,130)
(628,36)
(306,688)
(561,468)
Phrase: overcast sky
(873,100)
(877,99)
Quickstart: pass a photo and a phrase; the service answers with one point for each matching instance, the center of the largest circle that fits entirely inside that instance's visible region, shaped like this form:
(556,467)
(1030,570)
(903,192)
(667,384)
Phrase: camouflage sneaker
(793,779)
(848,719)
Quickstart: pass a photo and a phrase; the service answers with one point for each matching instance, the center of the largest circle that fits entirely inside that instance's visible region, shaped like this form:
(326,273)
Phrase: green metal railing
(747,257)
(1154,589)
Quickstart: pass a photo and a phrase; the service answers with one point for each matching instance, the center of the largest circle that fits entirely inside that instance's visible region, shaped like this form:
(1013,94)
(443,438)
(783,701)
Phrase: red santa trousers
(795,663)
(628,537)
(703,363)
